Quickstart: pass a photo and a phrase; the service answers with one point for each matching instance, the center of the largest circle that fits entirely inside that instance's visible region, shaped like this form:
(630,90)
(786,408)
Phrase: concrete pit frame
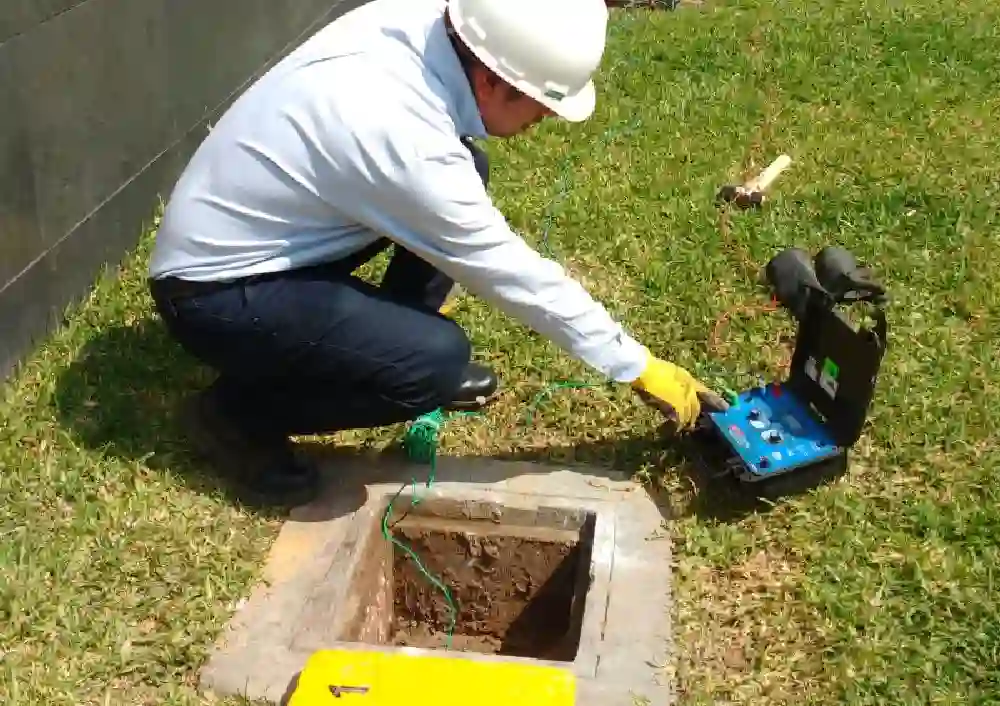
(568,567)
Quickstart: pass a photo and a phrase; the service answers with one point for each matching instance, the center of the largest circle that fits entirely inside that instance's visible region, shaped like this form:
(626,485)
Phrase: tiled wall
(101,104)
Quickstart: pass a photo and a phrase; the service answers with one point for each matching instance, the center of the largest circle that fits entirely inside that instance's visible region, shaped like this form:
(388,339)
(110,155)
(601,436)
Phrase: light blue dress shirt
(353,136)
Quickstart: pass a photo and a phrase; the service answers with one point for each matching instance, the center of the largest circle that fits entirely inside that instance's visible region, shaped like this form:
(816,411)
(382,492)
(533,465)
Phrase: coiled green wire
(420,443)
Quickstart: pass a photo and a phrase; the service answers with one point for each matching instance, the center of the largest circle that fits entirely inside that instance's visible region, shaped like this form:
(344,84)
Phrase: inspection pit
(543,565)
(510,584)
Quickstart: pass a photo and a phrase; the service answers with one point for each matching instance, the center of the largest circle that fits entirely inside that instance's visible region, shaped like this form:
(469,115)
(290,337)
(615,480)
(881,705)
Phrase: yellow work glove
(675,392)
(451,301)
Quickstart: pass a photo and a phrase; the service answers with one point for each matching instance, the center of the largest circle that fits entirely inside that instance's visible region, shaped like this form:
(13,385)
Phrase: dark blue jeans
(318,349)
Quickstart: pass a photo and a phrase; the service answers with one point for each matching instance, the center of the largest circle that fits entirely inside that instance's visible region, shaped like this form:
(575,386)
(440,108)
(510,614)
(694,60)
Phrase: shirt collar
(443,62)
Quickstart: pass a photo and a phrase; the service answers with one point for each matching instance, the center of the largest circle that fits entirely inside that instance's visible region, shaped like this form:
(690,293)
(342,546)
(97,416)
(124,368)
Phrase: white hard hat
(547,49)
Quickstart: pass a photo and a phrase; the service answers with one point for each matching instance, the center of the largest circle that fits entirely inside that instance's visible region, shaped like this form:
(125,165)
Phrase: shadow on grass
(714,494)
(122,398)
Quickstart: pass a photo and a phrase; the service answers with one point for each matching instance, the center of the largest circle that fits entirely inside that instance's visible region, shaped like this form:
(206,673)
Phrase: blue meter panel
(772,432)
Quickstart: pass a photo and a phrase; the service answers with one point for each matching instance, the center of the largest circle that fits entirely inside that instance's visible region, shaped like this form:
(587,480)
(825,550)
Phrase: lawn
(120,560)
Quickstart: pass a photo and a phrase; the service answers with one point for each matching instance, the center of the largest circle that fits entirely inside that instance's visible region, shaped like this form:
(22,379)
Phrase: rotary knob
(774,436)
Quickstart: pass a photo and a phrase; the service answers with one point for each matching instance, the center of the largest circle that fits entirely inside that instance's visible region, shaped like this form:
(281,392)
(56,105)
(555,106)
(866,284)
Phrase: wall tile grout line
(200,122)
(42,23)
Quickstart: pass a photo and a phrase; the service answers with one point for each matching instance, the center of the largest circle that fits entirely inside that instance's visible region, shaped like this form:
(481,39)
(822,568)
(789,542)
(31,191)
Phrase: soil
(514,593)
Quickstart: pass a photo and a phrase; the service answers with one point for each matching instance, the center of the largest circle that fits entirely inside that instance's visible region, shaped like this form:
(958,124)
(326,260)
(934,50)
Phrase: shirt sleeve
(430,199)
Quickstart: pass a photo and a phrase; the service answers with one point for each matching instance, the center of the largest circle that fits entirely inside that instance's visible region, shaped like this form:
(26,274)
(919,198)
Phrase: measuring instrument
(817,414)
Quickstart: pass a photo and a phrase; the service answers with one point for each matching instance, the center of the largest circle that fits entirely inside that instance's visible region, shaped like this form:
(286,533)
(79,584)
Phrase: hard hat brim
(574,108)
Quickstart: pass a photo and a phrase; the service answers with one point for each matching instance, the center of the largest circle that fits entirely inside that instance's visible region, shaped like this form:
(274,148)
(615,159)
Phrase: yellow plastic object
(451,300)
(363,678)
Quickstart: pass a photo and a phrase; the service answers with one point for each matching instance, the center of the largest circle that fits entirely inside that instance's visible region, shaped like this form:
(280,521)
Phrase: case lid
(835,364)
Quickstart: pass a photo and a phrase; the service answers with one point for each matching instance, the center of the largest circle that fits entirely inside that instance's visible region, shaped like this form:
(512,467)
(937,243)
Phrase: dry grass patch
(749,639)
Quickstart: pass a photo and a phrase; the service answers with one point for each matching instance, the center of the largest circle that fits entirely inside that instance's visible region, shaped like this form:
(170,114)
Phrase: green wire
(549,389)
(420,443)
(420,566)
(420,440)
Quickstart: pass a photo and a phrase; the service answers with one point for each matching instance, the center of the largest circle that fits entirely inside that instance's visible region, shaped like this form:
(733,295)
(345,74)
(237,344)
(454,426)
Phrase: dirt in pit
(514,594)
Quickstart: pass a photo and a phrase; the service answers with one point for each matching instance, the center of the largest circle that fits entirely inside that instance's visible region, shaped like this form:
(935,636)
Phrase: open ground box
(473,578)
(545,567)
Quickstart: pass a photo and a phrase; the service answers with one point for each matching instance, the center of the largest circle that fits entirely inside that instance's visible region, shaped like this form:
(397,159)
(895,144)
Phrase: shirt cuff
(622,362)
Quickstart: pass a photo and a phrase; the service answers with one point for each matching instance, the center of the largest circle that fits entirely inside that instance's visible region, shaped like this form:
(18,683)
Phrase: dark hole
(518,581)
(516,594)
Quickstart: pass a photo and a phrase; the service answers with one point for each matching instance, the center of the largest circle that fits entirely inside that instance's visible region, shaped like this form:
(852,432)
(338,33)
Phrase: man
(359,140)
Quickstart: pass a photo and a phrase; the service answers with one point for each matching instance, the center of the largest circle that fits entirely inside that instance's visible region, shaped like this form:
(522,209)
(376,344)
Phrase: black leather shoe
(478,388)
(266,469)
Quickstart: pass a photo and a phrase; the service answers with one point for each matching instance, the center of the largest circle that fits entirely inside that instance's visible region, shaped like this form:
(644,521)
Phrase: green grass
(120,561)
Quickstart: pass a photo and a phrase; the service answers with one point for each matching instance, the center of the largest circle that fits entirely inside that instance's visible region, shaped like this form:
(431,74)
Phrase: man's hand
(675,392)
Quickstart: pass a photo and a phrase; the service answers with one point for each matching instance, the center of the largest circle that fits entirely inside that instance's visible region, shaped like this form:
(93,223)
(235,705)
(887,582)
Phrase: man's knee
(436,366)
(446,352)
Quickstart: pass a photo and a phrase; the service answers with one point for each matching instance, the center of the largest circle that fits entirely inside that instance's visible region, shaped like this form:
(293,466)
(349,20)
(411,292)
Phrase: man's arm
(431,201)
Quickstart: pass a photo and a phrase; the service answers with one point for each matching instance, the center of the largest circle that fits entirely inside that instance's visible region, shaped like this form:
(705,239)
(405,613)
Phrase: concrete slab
(306,602)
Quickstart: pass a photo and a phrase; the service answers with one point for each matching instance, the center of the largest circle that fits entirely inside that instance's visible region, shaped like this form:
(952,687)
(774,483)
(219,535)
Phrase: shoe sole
(221,455)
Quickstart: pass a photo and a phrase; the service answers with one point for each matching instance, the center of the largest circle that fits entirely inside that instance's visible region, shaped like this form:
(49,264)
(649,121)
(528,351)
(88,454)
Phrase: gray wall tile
(104,102)
(17,16)
(20,240)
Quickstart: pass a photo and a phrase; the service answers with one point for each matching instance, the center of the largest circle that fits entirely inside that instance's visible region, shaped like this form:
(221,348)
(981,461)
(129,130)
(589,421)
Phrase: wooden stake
(768,176)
